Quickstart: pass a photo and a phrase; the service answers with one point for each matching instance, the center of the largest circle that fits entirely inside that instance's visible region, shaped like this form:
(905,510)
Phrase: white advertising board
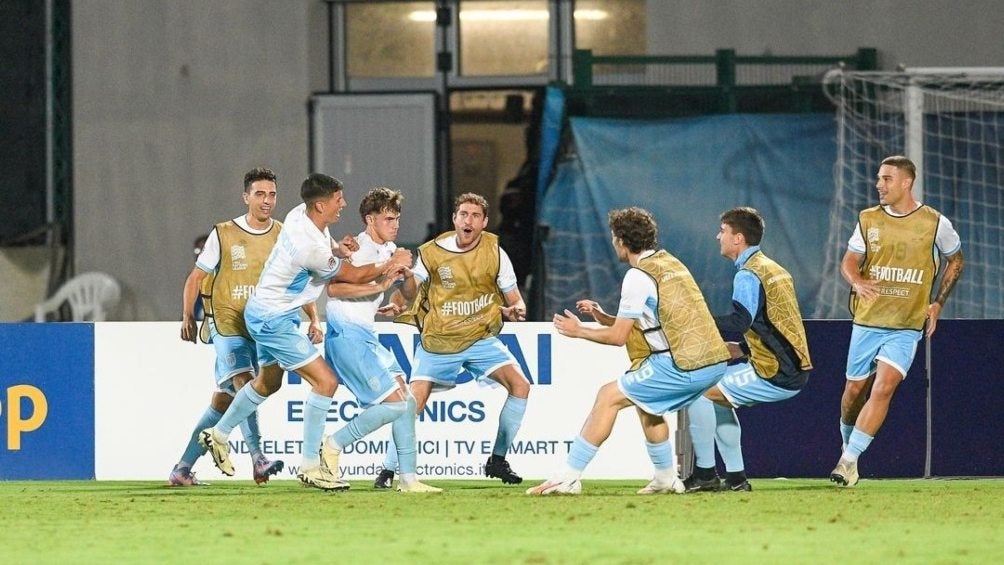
(151,388)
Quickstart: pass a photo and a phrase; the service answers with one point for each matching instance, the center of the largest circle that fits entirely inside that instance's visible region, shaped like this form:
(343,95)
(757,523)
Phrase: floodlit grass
(781,521)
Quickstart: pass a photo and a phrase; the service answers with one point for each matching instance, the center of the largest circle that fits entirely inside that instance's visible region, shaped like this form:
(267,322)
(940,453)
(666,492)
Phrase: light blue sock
(581,453)
(857,444)
(845,433)
(194,449)
(661,454)
(245,402)
(728,434)
(510,420)
(252,437)
(369,420)
(403,450)
(315,413)
(702,431)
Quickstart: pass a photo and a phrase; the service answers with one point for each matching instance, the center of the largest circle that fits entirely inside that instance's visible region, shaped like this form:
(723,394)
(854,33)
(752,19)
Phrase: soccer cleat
(329,457)
(741,486)
(184,477)
(416,486)
(319,477)
(219,450)
(384,480)
(556,486)
(499,468)
(263,469)
(845,474)
(694,483)
(656,486)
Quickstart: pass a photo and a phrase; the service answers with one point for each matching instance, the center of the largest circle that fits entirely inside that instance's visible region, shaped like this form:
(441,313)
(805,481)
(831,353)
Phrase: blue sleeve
(746,292)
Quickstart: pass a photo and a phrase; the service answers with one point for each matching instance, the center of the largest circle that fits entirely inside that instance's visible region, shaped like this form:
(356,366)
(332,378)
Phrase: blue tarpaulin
(687,172)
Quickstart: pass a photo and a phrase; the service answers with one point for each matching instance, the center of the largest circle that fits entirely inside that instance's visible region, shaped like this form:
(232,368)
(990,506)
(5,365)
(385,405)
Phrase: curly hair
(379,199)
(635,227)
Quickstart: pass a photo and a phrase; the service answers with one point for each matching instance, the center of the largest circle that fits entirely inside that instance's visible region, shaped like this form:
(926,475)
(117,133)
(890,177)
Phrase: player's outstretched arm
(593,308)
(568,324)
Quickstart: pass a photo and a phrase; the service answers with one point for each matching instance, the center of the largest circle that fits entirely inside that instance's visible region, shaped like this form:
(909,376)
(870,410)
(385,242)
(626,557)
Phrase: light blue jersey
(351,345)
(295,274)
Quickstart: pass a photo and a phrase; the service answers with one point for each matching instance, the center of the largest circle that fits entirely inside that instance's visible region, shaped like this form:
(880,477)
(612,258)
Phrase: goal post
(950,123)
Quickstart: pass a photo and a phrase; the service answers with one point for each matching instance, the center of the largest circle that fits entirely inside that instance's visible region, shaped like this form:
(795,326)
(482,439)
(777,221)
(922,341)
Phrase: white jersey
(209,259)
(947,239)
(639,300)
(298,269)
(362,310)
(506,279)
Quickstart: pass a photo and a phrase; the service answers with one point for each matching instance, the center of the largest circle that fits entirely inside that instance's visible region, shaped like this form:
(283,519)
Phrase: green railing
(725,76)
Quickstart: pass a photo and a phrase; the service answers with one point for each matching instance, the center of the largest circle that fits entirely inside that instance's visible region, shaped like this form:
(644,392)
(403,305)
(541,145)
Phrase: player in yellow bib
(891,262)
(225,276)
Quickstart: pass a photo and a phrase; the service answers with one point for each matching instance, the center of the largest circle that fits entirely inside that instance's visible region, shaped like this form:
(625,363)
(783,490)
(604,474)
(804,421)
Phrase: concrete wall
(930,33)
(173,101)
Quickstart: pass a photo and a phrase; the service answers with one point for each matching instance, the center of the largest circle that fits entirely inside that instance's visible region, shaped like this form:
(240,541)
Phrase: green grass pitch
(781,521)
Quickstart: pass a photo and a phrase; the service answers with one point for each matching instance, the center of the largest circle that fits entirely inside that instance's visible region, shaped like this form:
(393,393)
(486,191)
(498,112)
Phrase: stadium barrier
(117,400)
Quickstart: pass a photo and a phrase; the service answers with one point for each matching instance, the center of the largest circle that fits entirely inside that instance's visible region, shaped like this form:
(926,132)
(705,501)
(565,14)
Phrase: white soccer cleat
(329,457)
(416,486)
(556,486)
(845,474)
(655,486)
(319,477)
(219,449)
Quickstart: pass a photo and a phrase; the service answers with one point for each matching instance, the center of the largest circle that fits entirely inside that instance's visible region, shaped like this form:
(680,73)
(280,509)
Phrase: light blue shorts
(481,360)
(360,362)
(742,387)
(234,355)
(658,386)
(279,340)
(871,345)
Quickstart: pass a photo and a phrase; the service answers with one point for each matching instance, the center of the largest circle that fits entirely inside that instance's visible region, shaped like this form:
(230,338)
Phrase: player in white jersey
(353,350)
(297,271)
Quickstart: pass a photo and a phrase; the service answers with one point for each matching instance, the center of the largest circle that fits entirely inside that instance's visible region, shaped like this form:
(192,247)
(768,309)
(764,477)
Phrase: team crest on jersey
(238,257)
(873,238)
(446,276)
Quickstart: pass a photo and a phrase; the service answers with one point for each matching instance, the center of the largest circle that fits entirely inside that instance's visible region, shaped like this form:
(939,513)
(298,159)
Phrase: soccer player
(353,350)
(676,352)
(228,263)
(458,285)
(765,310)
(892,259)
(298,270)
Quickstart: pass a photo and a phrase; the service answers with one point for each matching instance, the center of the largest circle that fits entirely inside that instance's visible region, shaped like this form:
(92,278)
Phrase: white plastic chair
(90,296)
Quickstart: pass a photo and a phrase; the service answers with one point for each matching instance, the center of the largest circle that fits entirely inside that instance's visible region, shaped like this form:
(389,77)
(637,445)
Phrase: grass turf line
(780,521)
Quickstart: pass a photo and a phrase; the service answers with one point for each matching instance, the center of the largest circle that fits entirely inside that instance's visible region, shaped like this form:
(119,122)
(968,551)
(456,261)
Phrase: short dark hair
(256,174)
(903,164)
(635,227)
(318,186)
(379,199)
(471,198)
(745,220)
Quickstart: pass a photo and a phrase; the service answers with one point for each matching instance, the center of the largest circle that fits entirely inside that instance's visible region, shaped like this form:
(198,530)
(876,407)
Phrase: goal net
(950,122)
